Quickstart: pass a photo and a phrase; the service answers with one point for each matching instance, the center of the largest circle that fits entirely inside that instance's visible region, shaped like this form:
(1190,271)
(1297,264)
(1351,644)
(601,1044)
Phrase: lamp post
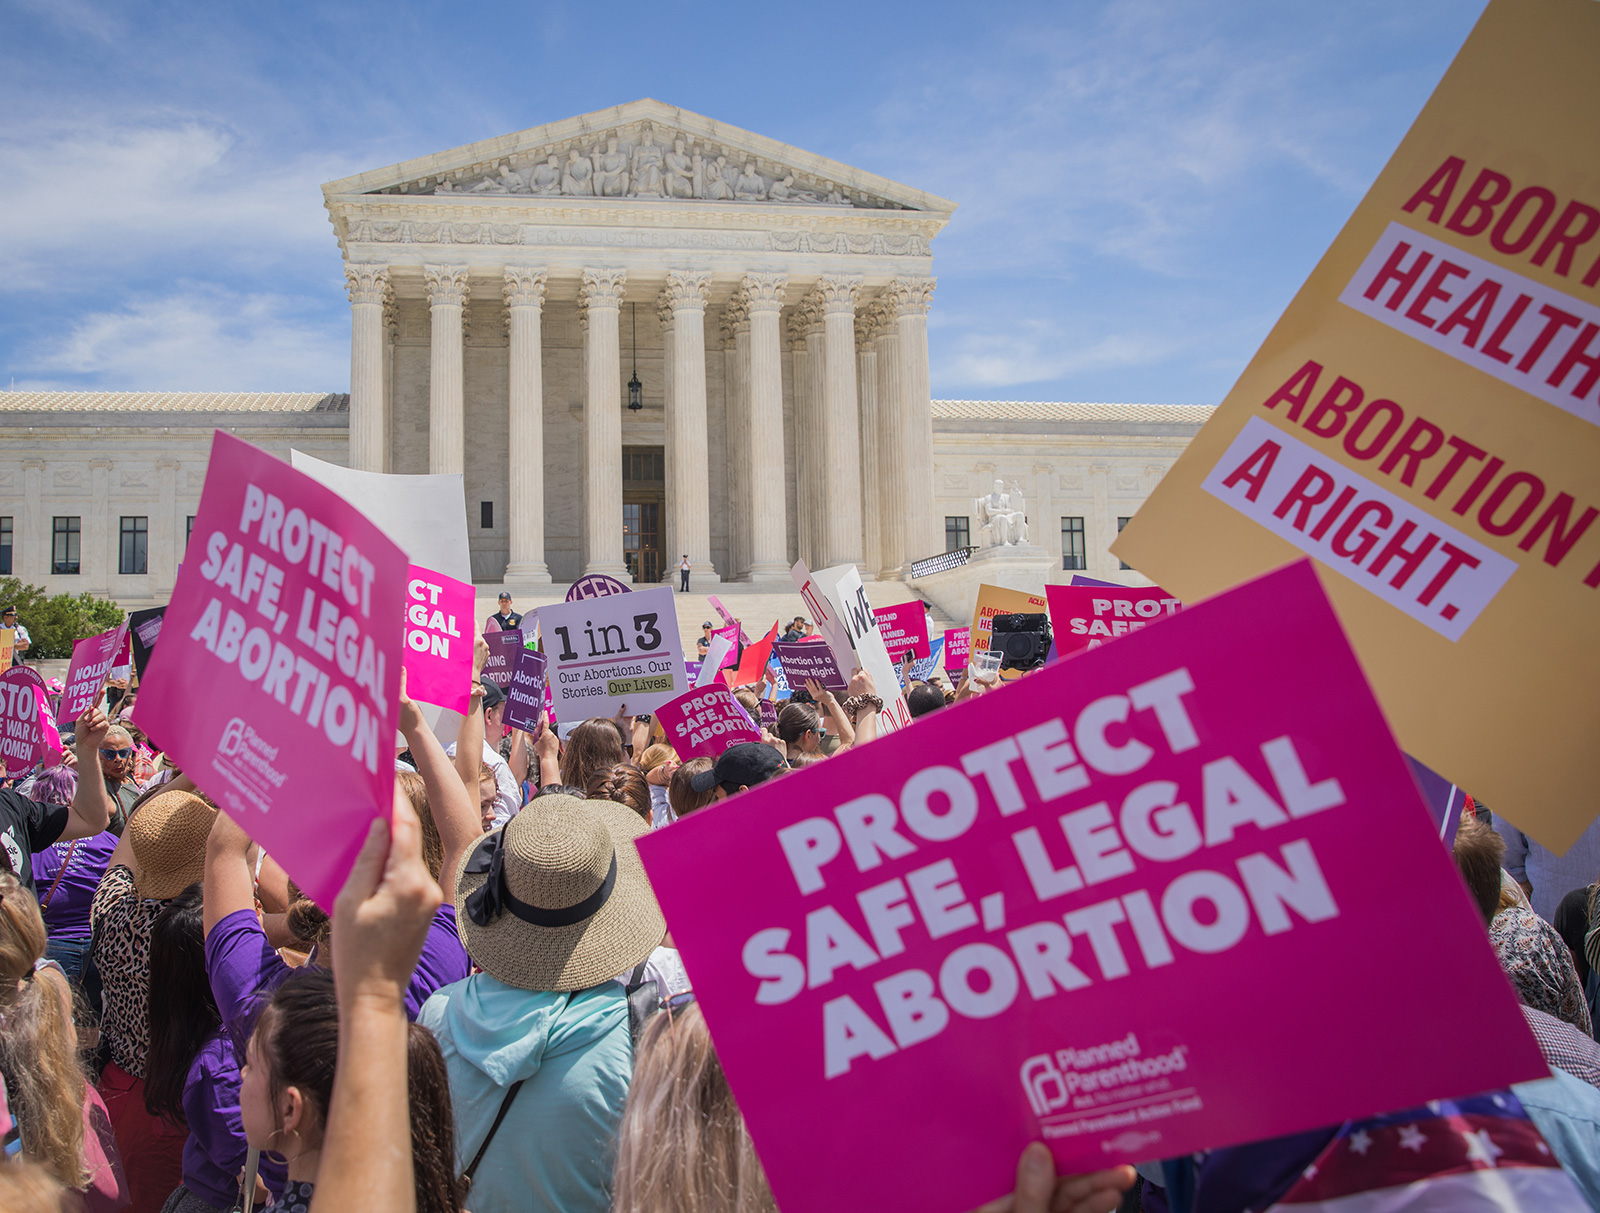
(635,388)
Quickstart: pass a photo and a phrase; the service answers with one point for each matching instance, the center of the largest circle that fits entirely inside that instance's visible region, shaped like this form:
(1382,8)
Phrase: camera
(1021,640)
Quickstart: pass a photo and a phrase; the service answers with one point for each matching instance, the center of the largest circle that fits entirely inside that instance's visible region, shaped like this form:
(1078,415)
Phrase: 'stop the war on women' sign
(991,928)
(1424,422)
(276,685)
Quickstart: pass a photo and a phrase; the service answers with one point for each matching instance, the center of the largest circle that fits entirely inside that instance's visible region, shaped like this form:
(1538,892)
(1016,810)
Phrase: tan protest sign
(8,641)
(1424,422)
(998,600)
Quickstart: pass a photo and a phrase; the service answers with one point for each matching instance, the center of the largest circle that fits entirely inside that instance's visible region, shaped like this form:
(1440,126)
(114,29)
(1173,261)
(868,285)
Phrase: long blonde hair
(38,1042)
(683,1146)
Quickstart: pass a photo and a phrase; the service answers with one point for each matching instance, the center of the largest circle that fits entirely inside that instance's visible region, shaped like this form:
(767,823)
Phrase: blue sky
(1143,183)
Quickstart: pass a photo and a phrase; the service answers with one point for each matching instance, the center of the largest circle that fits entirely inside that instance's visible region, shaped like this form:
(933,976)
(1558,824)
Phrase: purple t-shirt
(79,864)
(214,1152)
(244,969)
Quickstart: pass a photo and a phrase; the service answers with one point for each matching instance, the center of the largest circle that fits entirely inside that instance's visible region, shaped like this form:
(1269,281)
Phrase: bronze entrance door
(644,492)
(641,539)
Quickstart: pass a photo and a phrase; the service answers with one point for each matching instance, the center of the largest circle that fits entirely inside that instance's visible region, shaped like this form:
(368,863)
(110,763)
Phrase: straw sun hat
(556,899)
(168,837)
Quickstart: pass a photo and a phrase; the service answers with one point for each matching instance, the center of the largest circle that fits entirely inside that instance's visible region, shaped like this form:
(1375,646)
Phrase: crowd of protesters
(492,1016)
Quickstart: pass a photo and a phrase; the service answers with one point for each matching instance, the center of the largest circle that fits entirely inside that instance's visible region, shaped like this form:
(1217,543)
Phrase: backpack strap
(60,872)
(505,1106)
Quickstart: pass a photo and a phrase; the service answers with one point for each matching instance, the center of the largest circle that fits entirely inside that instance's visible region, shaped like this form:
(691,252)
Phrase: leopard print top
(121,921)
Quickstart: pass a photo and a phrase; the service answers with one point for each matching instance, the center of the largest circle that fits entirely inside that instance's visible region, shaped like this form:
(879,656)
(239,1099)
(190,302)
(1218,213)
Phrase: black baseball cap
(504,597)
(493,696)
(748,763)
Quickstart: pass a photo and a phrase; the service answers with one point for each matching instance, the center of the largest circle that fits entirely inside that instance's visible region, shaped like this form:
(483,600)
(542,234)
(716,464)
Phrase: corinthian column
(524,296)
(910,296)
(867,394)
(841,423)
(366,285)
(891,447)
(688,471)
(599,297)
(769,527)
(735,330)
(447,295)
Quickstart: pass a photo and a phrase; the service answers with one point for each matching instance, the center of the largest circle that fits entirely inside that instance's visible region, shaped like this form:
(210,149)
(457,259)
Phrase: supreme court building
(637,333)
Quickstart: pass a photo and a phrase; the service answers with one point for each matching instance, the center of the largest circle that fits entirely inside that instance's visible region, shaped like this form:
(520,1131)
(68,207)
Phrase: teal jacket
(555,1149)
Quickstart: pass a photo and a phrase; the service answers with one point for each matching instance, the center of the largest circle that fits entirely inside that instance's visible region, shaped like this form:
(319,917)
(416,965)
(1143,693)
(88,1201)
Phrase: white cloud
(197,339)
(95,192)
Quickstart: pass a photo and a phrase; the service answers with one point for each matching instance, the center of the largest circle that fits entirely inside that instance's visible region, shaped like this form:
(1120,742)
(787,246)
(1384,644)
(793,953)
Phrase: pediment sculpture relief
(642,161)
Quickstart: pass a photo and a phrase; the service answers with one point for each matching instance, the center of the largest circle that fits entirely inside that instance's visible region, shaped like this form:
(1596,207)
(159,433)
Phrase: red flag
(755,659)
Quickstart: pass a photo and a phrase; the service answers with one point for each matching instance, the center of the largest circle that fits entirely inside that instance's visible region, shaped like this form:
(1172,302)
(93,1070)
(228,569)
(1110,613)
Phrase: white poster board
(425,515)
(838,603)
(610,651)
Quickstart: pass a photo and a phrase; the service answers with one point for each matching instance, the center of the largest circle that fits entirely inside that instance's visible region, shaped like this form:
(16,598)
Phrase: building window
(1122,522)
(644,465)
(134,554)
(486,515)
(1074,555)
(957,532)
(64,546)
(188,532)
(5,546)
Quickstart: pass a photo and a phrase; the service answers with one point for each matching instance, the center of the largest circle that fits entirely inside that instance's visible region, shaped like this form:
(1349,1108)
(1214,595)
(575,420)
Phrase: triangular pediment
(644,151)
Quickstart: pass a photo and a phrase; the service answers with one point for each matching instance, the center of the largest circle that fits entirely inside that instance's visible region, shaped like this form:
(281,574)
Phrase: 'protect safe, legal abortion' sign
(992,926)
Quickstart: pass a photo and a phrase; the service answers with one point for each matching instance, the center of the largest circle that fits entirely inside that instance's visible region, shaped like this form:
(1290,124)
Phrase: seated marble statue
(577,175)
(611,171)
(717,187)
(494,185)
(1002,517)
(679,177)
(749,187)
(546,178)
(647,166)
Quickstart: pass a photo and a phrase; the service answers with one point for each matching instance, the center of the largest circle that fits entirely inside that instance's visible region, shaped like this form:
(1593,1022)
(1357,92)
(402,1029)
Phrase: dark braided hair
(433,1135)
(297,1036)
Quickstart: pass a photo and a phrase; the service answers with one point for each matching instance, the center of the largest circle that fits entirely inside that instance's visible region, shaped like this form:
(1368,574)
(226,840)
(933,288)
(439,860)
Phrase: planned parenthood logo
(1054,1080)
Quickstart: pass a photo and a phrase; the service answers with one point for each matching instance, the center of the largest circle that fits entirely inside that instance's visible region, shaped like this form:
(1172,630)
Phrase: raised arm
(469,738)
(230,883)
(90,810)
(829,704)
(866,719)
(548,747)
(520,755)
(380,921)
(455,811)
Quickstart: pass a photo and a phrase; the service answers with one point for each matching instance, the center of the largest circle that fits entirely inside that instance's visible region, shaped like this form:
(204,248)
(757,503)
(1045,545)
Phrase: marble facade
(772,304)
(496,296)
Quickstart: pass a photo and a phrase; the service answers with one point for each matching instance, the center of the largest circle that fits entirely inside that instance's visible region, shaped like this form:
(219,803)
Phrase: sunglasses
(115,754)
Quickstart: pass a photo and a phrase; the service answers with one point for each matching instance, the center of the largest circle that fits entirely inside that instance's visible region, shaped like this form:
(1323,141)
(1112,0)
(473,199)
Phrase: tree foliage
(54,623)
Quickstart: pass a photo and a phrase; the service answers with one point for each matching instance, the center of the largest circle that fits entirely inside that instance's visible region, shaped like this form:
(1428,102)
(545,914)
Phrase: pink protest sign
(280,661)
(1085,617)
(92,659)
(731,634)
(1128,905)
(904,628)
(800,660)
(28,733)
(726,617)
(439,629)
(957,649)
(705,722)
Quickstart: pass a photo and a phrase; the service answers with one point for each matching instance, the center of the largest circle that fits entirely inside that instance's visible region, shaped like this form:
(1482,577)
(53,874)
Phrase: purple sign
(525,694)
(1444,799)
(1080,579)
(503,650)
(596,585)
(800,660)
(769,714)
